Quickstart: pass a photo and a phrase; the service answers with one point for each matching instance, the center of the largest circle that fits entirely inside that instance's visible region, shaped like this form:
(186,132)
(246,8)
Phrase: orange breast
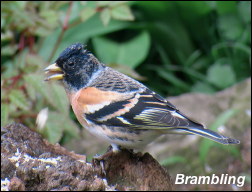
(90,99)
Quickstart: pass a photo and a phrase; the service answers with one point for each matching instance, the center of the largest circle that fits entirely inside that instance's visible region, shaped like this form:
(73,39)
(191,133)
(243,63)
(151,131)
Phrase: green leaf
(37,82)
(244,8)
(205,146)
(42,31)
(105,16)
(4,114)
(33,59)
(232,149)
(221,76)
(223,118)
(58,95)
(127,54)
(71,128)
(52,91)
(20,59)
(103,3)
(19,99)
(6,36)
(122,12)
(31,92)
(173,160)
(21,4)
(118,3)
(226,27)
(193,58)
(202,87)
(237,54)
(53,128)
(110,55)
(225,7)
(9,49)
(123,53)
(51,16)
(9,70)
(195,8)
(87,13)
(173,80)
(79,33)
(56,124)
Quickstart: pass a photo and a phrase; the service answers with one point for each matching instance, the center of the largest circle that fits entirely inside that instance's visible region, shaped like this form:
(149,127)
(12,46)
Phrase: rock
(30,163)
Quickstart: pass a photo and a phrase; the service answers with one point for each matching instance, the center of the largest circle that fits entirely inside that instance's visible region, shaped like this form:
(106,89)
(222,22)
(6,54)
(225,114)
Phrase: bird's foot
(99,159)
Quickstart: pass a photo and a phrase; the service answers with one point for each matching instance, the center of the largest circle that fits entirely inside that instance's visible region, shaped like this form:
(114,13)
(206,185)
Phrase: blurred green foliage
(32,33)
(174,46)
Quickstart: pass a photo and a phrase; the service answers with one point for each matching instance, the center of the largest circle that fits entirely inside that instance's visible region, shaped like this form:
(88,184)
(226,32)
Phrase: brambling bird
(117,108)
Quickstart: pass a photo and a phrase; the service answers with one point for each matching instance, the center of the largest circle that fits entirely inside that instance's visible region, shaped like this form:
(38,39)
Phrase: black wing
(150,111)
(147,110)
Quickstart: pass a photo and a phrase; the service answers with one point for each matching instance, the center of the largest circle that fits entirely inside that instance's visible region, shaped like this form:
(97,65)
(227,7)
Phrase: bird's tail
(207,133)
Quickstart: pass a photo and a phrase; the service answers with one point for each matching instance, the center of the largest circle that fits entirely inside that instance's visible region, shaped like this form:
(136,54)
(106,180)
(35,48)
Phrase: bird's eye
(71,64)
(68,65)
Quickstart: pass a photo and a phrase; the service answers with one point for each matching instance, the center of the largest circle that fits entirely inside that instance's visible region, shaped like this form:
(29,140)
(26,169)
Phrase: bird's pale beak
(55,72)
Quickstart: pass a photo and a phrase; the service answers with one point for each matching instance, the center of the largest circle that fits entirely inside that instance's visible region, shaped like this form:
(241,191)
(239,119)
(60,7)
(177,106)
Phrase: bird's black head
(78,65)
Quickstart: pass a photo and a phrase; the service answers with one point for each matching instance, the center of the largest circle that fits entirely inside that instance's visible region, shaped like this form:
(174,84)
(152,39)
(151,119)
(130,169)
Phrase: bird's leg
(111,149)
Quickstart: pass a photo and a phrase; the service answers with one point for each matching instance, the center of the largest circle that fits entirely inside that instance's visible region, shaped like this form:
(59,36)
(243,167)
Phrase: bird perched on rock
(117,108)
